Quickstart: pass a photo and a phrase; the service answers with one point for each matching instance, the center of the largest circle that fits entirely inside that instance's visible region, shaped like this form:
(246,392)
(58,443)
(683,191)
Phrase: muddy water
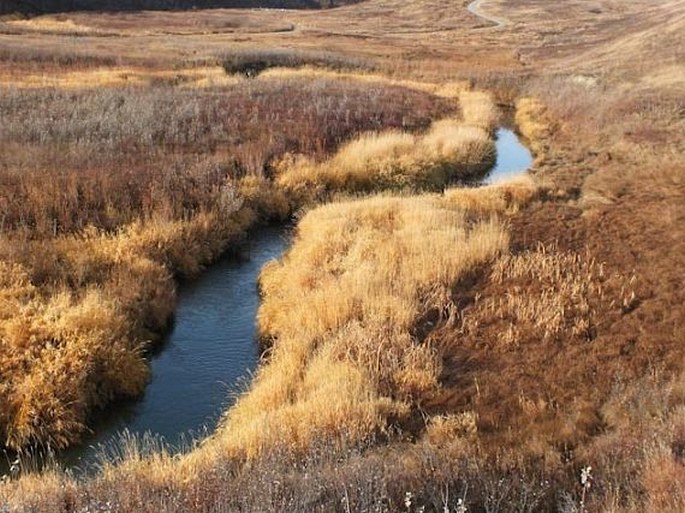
(211,346)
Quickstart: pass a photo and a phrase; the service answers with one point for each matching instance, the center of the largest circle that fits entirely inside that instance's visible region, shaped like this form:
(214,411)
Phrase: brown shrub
(124,154)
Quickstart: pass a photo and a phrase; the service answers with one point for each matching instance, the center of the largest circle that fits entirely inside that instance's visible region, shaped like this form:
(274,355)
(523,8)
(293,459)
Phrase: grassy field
(516,347)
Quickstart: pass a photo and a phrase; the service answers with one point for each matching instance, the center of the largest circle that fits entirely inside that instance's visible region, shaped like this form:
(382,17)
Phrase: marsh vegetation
(145,184)
(428,347)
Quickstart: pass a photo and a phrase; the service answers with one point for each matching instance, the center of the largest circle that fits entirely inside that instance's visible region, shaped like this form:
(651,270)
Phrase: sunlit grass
(451,149)
(338,312)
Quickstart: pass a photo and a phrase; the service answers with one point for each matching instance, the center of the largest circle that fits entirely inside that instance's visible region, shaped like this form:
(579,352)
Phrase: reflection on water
(513,158)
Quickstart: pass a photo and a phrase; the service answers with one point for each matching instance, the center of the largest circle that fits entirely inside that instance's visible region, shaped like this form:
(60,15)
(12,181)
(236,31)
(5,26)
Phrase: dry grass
(172,22)
(371,269)
(502,198)
(450,89)
(125,76)
(116,155)
(534,124)
(530,303)
(569,284)
(478,109)
(450,150)
(55,26)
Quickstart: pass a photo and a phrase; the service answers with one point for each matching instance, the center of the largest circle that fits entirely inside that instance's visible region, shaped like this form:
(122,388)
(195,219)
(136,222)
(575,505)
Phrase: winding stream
(211,345)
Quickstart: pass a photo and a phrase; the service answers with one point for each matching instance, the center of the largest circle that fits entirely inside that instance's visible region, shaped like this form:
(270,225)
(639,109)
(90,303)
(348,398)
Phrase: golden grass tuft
(451,89)
(123,76)
(357,76)
(478,109)
(61,356)
(32,489)
(340,313)
(534,123)
(451,143)
(394,160)
(503,198)
(360,165)
(52,25)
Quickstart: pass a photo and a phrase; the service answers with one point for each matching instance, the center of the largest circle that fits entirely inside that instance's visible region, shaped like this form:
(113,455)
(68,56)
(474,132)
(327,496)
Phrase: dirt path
(475,8)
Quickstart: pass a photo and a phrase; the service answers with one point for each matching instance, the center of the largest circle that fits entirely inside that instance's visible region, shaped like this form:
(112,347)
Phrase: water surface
(513,158)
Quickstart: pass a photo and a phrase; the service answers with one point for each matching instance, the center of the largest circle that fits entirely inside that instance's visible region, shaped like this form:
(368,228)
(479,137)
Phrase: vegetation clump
(253,62)
(451,149)
(371,269)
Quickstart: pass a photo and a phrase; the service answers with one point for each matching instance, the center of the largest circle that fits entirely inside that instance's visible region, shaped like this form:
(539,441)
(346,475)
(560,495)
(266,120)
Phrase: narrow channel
(512,157)
(212,344)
